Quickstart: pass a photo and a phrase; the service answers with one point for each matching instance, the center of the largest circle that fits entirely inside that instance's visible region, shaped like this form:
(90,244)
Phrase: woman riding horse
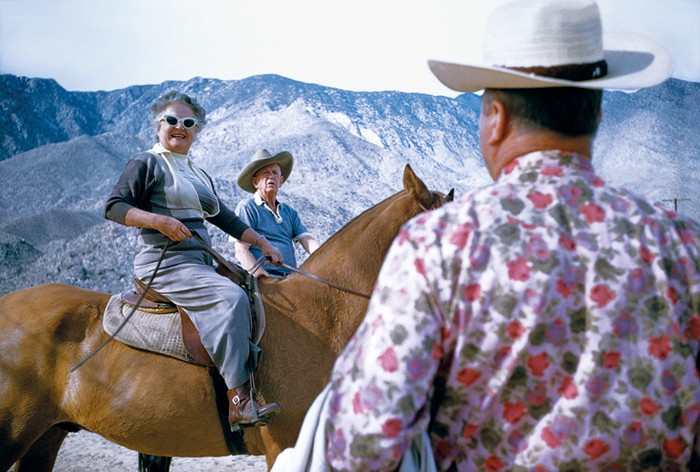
(165,194)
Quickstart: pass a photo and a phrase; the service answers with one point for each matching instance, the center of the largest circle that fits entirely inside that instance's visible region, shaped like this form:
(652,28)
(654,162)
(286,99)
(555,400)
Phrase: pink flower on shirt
(540,200)
(461,235)
(593,213)
(472,292)
(519,269)
(601,295)
(388,360)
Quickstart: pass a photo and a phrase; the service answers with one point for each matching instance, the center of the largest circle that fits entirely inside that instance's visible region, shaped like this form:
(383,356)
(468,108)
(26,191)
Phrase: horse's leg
(41,456)
(151,463)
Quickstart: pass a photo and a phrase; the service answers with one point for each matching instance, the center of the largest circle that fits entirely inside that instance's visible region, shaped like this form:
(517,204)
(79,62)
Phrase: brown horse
(159,405)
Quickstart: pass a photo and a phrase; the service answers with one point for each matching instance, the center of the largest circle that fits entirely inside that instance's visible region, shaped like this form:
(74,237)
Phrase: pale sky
(360,45)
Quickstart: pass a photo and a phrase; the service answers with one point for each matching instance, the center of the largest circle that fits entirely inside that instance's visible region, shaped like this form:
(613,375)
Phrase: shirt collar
(550,162)
(260,202)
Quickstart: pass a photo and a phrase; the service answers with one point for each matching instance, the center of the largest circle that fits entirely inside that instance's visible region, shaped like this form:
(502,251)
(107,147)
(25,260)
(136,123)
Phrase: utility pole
(675,201)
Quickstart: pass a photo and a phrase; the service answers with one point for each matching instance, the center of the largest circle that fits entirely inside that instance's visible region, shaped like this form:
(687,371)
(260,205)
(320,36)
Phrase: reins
(325,281)
(131,313)
(221,260)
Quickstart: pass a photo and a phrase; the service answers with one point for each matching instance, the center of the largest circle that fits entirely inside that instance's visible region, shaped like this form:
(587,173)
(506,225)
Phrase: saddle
(153,302)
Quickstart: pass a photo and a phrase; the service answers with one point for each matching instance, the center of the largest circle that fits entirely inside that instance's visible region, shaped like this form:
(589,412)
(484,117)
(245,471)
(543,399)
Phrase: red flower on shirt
(659,347)
(538,364)
(392,427)
(593,213)
(693,328)
(602,295)
(563,288)
(549,438)
(436,351)
(469,430)
(494,464)
(519,269)
(513,412)
(595,448)
(673,448)
(515,330)
(540,200)
(648,407)
(568,388)
(566,242)
(472,292)
(468,376)
(672,295)
(611,359)
(388,360)
(646,255)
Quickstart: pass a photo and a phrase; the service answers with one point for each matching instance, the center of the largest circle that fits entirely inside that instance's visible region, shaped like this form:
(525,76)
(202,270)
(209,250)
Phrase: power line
(675,201)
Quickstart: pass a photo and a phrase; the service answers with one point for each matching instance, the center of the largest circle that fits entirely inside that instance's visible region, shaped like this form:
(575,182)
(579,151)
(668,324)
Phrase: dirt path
(88,452)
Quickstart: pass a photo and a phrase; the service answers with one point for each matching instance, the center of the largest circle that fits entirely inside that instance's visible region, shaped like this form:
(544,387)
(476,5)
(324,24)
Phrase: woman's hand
(169,226)
(172,228)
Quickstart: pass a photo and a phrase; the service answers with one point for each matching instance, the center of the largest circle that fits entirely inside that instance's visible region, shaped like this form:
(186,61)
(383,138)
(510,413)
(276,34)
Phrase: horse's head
(425,198)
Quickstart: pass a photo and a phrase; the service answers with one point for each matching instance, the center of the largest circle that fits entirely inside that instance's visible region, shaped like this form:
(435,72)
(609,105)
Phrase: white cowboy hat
(260,159)
(557,43)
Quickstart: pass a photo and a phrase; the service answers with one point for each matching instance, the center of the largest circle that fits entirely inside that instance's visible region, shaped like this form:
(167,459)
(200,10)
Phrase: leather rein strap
(222,260)
(324,281)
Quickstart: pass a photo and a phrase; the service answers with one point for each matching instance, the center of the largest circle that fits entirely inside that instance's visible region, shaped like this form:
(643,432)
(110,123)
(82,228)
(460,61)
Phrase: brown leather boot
(244,412)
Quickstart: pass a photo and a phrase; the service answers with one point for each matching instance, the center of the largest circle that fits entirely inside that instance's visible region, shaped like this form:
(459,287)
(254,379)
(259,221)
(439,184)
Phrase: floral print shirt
(554,321)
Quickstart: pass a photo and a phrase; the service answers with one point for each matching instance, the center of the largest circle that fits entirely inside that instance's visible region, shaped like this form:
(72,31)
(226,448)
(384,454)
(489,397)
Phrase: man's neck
(269,199)
(521,144)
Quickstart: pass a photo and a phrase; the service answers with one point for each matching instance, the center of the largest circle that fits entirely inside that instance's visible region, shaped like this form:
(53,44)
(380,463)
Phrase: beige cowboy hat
(557,43)
(260,159)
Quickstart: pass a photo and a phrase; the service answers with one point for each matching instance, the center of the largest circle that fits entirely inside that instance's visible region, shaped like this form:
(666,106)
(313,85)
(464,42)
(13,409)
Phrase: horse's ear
(450,195)
(415,186)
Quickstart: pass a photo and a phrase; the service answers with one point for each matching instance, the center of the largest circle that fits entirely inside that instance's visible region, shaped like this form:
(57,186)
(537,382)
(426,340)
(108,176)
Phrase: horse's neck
(356,252)
(352,259)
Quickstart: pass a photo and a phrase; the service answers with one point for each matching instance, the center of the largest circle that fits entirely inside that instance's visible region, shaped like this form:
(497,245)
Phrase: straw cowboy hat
(260,159)
(557,43)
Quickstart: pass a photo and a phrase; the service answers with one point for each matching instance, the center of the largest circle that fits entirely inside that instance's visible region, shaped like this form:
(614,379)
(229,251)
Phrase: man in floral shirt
(549,321)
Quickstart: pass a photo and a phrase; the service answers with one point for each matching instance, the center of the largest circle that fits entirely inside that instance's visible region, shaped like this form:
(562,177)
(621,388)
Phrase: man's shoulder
(247,202)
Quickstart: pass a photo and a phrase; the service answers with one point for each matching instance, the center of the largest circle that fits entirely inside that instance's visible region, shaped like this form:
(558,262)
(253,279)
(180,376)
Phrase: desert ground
(87,452)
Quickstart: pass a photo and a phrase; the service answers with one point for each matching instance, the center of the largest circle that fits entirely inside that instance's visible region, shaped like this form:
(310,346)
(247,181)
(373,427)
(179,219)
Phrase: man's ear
(496,121)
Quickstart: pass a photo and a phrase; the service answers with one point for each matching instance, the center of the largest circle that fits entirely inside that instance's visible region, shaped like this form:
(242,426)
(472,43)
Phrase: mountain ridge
(62,152)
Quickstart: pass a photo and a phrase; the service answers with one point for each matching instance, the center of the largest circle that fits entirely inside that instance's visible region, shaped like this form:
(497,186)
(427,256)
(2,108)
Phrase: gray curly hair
(174,96)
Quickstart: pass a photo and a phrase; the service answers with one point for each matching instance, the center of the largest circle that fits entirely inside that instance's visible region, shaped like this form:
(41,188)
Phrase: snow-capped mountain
(61,152)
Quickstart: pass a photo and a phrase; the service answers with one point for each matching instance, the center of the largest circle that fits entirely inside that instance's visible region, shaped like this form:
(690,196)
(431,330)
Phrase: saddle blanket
(155,332)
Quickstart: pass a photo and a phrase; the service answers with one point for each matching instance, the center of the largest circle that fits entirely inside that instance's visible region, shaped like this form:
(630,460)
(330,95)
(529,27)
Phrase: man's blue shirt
(281,229)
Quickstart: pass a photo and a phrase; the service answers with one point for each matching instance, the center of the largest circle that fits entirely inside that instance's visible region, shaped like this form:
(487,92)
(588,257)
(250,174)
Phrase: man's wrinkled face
(268,179)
